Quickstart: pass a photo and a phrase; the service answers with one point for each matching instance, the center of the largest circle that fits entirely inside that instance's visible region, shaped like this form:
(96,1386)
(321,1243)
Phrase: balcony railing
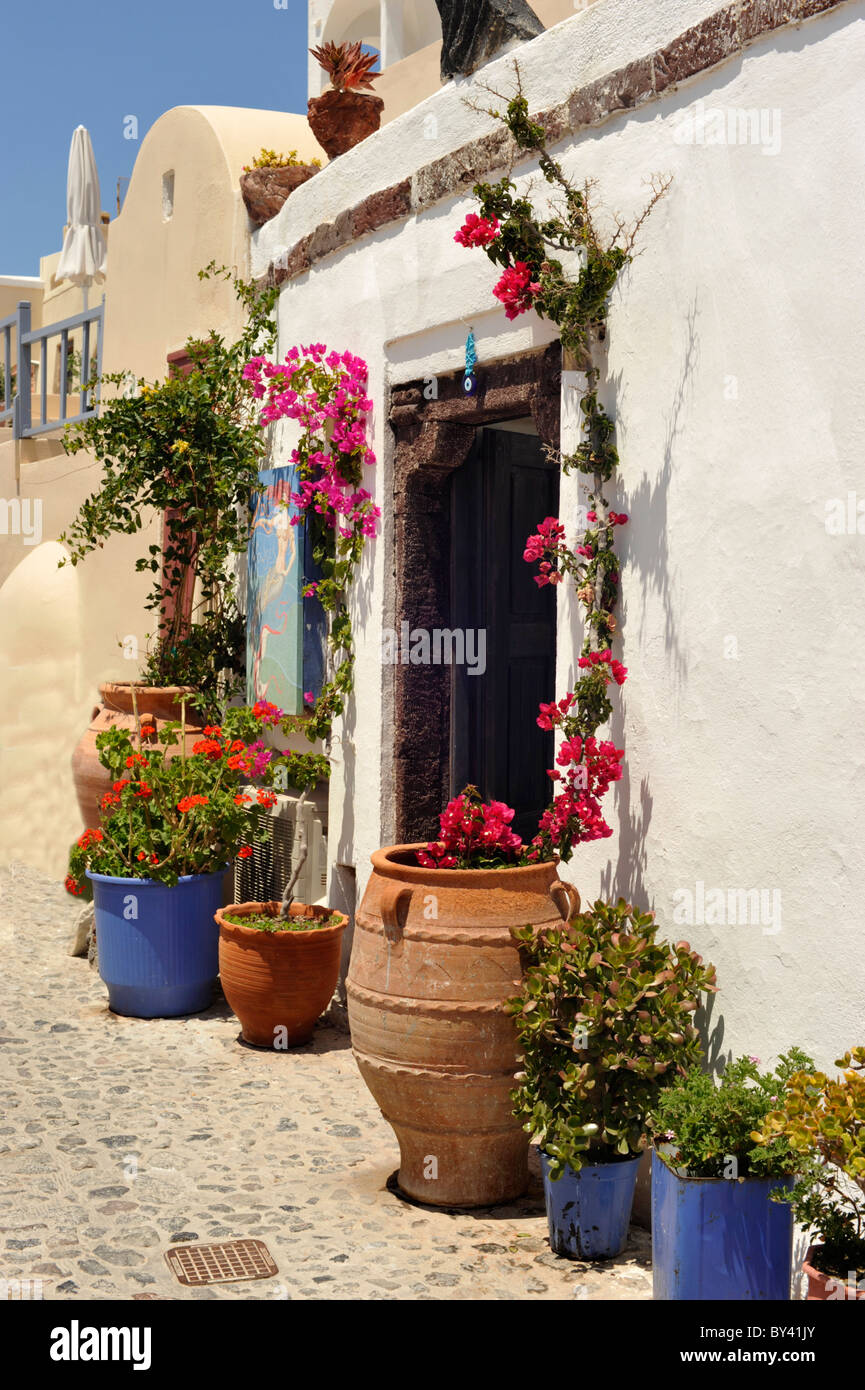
(74,404)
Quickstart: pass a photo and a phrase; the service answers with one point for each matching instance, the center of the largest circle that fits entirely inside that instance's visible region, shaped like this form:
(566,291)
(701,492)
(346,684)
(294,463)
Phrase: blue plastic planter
(158,946)
(714,1238)
(589,1212)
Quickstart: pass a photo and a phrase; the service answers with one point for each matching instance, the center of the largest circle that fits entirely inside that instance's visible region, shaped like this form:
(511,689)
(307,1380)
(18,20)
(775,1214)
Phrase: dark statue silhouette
(473,31)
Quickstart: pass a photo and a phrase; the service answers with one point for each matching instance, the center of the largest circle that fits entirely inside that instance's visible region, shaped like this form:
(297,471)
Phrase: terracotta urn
(823,1288)
(432,963)
(341,120)
(266,190)
(157,705)
(278,983)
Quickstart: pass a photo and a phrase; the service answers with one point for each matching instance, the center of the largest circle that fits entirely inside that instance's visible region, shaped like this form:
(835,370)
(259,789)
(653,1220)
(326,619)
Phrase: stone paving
(120,1138)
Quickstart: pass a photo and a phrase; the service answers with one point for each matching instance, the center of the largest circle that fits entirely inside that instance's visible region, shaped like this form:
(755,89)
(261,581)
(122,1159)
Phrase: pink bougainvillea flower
(516,289)
(478,231)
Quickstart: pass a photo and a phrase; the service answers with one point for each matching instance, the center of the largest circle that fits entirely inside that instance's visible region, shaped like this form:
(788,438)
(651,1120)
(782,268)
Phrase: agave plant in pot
(345,115)
(170,824)
(605,1022)
(717,1233)
(823,1120)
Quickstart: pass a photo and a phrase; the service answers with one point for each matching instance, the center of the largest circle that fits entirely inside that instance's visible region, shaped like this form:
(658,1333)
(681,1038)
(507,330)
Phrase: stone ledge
(702,47)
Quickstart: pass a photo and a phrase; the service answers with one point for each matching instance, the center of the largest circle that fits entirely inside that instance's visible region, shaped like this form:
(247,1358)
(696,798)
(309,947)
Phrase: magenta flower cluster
(326,394)
(472,833)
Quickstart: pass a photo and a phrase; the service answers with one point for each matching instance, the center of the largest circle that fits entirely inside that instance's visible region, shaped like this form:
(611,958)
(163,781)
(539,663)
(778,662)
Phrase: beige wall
(156,300)
(61,630)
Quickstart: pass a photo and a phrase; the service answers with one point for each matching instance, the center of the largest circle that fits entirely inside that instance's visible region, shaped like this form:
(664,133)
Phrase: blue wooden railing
(17,406)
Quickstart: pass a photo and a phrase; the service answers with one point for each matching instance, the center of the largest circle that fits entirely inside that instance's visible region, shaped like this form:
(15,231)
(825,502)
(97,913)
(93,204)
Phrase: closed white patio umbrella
(84,253)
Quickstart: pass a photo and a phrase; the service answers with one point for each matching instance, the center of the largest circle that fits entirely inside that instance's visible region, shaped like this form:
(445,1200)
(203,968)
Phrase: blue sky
(94,62)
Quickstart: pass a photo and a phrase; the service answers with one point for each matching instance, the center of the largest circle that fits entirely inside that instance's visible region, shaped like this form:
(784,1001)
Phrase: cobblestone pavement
(120,1138)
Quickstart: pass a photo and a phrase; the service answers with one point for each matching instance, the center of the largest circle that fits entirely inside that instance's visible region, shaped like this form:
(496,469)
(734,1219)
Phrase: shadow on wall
(40,644)
(648,504)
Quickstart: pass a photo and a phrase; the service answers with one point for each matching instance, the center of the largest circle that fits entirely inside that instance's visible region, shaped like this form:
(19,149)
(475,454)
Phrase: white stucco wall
(736,342)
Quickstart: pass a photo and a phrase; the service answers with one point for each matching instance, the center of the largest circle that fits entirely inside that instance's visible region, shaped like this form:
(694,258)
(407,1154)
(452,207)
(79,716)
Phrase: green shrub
(605,1021)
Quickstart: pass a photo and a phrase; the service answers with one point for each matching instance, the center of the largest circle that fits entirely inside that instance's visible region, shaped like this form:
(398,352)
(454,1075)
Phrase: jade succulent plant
(605,1021)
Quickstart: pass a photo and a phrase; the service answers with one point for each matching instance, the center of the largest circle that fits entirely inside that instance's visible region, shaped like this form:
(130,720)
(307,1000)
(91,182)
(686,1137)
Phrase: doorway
(499,495)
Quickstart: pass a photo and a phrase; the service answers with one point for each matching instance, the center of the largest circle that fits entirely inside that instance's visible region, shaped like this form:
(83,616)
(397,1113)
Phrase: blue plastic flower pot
(158,946)
(715,1238)
(589,1212)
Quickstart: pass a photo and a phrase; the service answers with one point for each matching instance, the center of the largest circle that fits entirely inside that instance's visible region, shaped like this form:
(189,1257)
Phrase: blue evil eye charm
(470,383)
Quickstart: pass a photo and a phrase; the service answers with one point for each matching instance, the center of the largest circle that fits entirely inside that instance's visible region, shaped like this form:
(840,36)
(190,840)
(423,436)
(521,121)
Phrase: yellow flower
(180,447)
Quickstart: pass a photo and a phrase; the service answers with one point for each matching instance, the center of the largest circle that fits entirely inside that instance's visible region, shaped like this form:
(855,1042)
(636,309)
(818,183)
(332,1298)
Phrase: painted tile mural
(284,631)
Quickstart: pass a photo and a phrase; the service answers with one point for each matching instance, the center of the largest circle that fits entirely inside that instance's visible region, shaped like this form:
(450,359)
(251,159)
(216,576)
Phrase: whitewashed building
(735,346)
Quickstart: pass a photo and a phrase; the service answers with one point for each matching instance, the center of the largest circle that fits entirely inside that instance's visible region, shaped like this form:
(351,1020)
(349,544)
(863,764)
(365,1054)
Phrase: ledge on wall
(296,239)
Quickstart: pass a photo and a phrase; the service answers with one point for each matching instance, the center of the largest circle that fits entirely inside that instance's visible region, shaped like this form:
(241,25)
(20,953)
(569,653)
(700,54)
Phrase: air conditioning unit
(262,877)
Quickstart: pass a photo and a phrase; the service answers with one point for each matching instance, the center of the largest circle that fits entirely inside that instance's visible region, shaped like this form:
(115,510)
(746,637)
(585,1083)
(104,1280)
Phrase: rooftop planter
(269,181)
(344,116)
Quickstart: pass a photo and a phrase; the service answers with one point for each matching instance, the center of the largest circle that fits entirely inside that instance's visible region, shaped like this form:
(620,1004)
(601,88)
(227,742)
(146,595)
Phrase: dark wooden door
(498,497)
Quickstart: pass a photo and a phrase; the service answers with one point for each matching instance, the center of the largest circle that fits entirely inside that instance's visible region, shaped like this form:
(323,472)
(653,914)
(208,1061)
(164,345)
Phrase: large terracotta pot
(157,705)
(823,1288)
(278,983)
(432,963)
(340,120)
(266,190)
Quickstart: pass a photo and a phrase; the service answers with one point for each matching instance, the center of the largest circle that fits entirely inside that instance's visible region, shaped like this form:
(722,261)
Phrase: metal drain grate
(221,1264)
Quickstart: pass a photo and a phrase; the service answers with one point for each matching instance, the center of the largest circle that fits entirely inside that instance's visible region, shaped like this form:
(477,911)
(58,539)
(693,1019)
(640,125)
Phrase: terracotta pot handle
(148,719)
(566,899)
(393,897)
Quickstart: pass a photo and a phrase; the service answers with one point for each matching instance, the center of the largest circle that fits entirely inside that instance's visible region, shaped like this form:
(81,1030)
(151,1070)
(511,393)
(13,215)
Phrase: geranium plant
(710,1125)
(605,1021)
(168,817)
(822,1120)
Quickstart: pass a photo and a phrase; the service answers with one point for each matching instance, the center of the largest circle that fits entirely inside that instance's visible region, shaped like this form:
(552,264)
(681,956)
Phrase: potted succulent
(605,1021)
(823,1121)
(345,115)
(716,1232)
(188,447)
(169,827)
(268,181)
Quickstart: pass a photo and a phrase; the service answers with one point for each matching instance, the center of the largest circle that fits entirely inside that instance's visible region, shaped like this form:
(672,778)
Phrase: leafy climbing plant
(188,447)
(559,263)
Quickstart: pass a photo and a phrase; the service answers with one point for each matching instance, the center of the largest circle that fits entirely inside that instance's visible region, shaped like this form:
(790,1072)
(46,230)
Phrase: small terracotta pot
(341,120)
(824,1288)
(278,983)
(157,705)
(266,190)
